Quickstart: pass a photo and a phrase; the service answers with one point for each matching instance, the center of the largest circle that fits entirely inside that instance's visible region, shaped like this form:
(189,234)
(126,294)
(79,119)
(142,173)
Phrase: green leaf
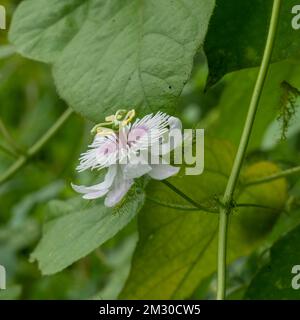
(41,29)
(259,221)
(237,35)
(236,97)
(177,249)
(113,54)
(274,281)
(79,228)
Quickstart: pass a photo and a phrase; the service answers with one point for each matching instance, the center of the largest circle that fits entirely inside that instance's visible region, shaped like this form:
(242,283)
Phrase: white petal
(166,147)
(117,194)
(133,171)
(175,123)
(163,171)
(119,190)
(83,189)
(101,153)
(150,121)
(149,130)
(95,195)
(108,181)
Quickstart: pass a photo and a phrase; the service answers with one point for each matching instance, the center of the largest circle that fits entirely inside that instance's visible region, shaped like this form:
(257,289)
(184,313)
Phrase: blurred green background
(29,104)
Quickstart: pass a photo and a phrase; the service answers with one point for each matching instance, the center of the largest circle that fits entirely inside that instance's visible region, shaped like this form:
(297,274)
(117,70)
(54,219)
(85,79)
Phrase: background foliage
(153,55)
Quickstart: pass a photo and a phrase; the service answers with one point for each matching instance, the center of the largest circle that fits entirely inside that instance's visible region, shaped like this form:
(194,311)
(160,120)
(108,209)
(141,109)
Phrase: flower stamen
(120,118)
(129,117)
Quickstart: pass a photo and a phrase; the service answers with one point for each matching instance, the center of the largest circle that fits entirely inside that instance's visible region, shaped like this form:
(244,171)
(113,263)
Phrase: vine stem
(275,176)
(225,210)
(9,139)
(32,151)
(8,151)
(186,197)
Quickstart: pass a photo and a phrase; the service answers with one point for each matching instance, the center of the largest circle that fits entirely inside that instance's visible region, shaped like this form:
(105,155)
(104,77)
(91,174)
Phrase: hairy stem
(9,139)
(23,159)
(253,205)
(235,172)
(8,151)
(186,197)
(208,210)
(275,176)
(181,207)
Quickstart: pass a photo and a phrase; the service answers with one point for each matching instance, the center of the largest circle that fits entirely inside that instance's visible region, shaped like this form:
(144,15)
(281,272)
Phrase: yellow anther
(120,114)
(129,117)
(120,118)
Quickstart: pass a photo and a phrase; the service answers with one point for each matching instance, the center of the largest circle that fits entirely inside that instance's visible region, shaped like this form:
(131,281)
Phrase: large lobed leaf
(137,53)
(41,28)
(177,248)
(75,229)
(114,54)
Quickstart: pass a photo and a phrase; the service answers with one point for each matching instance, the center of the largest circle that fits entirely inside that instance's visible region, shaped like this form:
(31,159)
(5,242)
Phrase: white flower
(117,151)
